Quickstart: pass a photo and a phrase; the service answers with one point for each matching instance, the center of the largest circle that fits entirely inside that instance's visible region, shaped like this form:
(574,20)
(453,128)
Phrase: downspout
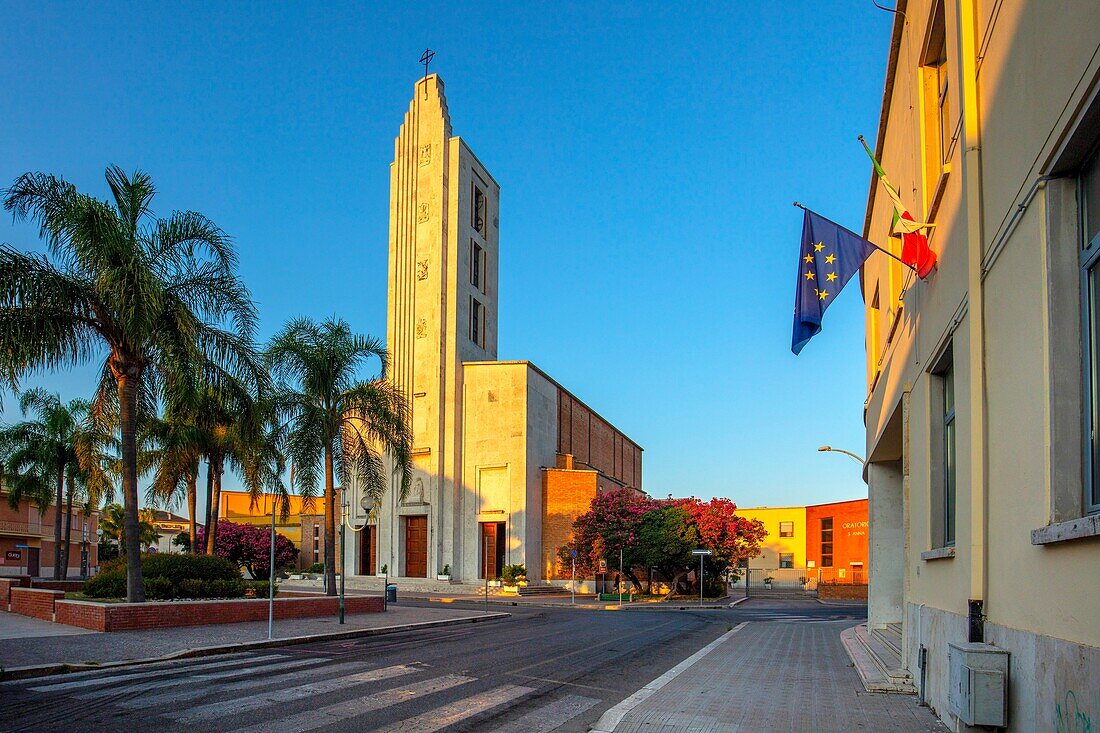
(967,35)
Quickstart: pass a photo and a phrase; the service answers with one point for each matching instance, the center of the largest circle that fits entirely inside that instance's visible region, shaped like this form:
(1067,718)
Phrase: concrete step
(866,652)
(891,639)
(543,590)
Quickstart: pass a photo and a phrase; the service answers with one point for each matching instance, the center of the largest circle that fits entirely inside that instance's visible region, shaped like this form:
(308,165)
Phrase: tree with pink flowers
(249,546)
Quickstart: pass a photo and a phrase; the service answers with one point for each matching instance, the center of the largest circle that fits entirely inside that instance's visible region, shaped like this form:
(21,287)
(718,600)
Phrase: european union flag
(830,256)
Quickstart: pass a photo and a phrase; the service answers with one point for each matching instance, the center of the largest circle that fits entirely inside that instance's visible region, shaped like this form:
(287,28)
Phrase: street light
(343,559)
(829,448)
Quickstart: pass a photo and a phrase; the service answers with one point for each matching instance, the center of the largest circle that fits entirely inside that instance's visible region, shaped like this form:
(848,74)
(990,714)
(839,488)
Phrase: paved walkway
(767,677)
(81,646)
(17,626)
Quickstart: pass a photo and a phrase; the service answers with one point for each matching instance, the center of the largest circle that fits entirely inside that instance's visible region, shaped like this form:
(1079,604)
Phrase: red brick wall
(846,592)
(131,616)
(6,584)
(34,602)
(69,586)
(595,442)
(565,496)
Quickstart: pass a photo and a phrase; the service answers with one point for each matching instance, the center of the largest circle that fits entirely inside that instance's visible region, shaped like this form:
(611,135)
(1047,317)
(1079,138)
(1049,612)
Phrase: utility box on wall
(979,683)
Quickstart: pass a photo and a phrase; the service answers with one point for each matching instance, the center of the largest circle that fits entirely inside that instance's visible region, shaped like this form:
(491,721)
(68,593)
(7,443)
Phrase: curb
(45,670)
(739,600)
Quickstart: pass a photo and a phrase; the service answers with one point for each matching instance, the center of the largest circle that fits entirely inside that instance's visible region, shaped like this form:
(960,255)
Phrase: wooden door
(34,555)
(489,567)
(416,547)
(368,550)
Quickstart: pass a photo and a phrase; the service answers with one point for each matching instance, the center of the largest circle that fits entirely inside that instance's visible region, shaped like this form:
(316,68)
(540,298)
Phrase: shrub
(226,588)
(259,588)
(317,567)
(183,566)
(109,583)
(513,573)
(158,589)
(192,588)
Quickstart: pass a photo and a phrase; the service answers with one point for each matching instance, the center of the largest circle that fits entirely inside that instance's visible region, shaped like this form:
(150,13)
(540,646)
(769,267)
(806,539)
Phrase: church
(505,457)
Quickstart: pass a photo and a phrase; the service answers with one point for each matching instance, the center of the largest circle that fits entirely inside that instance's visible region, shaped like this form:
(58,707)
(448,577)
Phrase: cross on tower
(426,58)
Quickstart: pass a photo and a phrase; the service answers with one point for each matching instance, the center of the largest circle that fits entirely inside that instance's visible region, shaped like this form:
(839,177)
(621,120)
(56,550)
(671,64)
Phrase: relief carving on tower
(422,212)
(421,327)
(422,270)
(415,495)
(425,154)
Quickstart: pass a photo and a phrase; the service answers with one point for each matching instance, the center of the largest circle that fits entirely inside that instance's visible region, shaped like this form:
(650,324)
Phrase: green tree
(50,458)
(158,295)
(337,426)
(112,522)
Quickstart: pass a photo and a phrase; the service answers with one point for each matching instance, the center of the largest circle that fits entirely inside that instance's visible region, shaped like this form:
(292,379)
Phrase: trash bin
(391,594)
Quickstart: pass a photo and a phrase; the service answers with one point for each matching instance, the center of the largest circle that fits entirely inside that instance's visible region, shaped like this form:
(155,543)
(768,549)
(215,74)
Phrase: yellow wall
(773,544)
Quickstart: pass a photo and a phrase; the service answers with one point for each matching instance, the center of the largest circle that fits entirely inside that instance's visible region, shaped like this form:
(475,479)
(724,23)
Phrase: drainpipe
(972,191)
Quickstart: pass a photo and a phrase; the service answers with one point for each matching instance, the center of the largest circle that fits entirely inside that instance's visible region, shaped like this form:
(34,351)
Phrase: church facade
(504,456)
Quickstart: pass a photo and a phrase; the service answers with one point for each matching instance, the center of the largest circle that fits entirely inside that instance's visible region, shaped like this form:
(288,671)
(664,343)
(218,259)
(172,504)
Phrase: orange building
(836,540)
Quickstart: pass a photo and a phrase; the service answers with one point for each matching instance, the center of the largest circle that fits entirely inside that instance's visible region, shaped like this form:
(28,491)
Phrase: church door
(492,549)
(416,547)
(368,550)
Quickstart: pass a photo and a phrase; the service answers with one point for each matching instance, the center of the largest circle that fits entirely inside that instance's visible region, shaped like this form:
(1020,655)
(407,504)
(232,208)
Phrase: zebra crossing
(290,693)
(788,616)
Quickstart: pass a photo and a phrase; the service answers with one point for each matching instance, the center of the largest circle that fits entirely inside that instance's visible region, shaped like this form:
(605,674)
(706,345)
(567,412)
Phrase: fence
(801,580)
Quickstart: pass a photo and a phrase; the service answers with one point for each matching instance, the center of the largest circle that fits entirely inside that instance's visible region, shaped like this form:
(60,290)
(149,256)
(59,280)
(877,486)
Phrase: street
(542,670)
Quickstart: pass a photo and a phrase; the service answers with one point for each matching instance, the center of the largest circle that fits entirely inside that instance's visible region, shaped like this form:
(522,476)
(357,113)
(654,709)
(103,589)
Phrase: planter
(509,590)
(494,583)
(381,575)
(443,577)
(767,586)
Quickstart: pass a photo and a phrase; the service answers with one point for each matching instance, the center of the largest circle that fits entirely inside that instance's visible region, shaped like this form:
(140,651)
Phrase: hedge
(166,576)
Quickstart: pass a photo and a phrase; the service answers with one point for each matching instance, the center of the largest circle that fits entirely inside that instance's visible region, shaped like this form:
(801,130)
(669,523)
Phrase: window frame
(787,533)
(477,322)
(827,557)
(1089,273)
(943,450)
(790,560)
(478,195)
(937,124)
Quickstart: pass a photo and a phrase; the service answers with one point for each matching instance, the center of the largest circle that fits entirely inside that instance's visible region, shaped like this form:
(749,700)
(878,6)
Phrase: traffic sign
(603,566)
(702,553)
(573,554)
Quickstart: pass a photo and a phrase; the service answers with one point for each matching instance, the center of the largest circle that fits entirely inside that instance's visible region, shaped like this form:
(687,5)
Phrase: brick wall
(35,602)
(69,586)
(6,584)
(842,591)
(131,616)
(596,443)
(565,496)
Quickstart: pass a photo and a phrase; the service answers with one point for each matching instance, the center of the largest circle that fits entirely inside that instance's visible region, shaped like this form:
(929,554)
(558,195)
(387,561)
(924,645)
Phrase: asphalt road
(542,670)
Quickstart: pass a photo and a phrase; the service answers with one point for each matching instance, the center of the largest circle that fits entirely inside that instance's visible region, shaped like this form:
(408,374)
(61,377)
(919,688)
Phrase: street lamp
(829,448)
(345,507)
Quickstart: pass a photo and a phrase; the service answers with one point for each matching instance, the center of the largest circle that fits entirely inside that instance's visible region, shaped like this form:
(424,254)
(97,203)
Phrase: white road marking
(548,717)
(451,713)
(145,675)
(611,719)
(264,699)
(183,693)
(198,678)
(330,714)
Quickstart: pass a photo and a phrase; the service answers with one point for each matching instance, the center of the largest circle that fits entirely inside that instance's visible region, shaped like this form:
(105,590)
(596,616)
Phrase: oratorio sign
(853,525)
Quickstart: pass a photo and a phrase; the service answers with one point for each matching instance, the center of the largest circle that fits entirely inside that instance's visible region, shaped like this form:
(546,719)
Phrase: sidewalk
(767,677)
(20,647)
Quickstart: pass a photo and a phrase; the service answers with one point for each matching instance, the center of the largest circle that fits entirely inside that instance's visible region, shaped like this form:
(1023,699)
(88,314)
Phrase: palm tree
(112,522)
(336,424)
(44,450)
(158,295)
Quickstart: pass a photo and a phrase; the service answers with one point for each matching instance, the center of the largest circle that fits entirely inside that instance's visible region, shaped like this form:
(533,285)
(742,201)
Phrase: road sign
(15,555)
(573,554)
(603,566)
(702,553)
(22,547)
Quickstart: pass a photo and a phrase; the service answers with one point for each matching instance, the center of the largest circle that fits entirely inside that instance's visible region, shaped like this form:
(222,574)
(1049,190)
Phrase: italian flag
(914,245)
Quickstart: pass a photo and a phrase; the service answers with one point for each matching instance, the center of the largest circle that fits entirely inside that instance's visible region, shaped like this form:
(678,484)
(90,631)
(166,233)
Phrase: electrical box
(979,683)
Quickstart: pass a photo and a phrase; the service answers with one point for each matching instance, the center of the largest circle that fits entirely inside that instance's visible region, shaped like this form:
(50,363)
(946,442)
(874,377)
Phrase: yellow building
(983,404)
(785,544)
(237,506)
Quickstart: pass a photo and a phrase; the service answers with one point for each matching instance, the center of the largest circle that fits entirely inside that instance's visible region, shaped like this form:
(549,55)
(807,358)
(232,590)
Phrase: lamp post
(340,565)
(701,554)
(271,578)
(830,449)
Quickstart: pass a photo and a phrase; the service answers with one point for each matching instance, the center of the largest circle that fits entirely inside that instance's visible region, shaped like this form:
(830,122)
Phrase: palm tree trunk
(127,397)
(65,540)
(209,505)
(330,525)
(57,520)
(214,467)
(192,506)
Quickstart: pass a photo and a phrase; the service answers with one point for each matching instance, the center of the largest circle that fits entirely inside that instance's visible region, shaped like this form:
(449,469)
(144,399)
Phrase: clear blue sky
(647,157)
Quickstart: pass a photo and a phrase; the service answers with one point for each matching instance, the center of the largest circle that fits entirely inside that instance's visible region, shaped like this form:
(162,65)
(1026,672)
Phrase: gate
(792,582)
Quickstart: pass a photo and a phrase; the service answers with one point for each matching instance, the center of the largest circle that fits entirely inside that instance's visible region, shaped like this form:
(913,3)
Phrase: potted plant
(495,583)
(383,571)
(444,574)
(768,582)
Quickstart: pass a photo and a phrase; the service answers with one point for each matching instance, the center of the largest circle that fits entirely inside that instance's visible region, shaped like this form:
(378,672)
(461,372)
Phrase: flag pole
(886,252)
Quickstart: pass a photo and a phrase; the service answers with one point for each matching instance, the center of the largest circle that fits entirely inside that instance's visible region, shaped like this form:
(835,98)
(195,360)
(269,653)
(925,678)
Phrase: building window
(786,529)
(1088,188)
(827,542)
(938,125)
(477,266)
(944,458)
(786,559)
(478,213)
(477,322)
(316,542)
